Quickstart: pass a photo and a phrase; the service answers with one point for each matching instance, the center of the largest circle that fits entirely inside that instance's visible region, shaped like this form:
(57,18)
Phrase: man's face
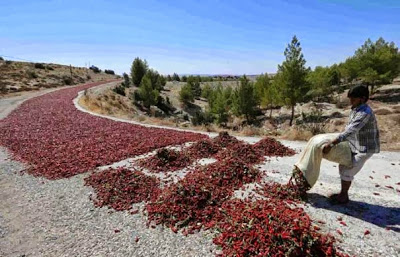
(355,101)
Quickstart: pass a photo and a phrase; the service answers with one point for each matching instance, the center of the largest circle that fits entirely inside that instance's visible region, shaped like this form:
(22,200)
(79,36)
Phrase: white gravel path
(39,217)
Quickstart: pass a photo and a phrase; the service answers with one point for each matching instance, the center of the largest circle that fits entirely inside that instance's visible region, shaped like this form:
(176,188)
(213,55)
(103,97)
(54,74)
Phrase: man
(363,136)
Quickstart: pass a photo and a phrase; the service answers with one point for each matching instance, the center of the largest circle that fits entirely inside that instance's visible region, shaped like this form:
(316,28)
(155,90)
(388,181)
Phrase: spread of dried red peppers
(58,141)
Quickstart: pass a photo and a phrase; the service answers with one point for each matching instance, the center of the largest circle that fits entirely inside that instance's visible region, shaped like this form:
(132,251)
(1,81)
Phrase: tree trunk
(270,113)
(291,117)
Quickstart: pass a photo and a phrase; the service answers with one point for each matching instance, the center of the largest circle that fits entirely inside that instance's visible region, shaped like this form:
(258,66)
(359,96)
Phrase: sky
(192,37)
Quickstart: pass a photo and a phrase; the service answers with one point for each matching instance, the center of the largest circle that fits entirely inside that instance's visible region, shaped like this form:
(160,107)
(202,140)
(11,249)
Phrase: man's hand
(327,148)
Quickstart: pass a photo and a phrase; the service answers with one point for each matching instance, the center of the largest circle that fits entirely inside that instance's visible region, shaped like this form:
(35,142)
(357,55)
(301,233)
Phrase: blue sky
(192,37)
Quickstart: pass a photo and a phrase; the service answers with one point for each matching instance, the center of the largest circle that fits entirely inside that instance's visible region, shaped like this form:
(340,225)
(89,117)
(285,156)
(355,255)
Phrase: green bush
(186,94)
(119,90)
(95,69)
(111,72)
(202,118)
(32,75)
(40,66)
(67,80)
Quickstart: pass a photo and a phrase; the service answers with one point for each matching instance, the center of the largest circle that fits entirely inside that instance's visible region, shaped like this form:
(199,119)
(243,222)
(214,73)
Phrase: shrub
(119,90)
(201,118)
(127,81)
(111,72)
(1,58)
(32,75)
(164,105)
(8,62)
(39,66)
(136,96)
(67,80)
(186,94)
(95,69)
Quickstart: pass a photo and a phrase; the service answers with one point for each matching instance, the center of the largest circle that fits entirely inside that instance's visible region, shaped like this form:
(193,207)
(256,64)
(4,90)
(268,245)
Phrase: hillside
(310,118)
(26,76)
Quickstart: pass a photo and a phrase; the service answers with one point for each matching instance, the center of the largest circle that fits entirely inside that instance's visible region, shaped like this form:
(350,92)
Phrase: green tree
(267,94)
(334,75)
(147,93)
(127,81)
(186,94)
(194,83)
(261,86)
(291,79)
(161,81)
(379,62)
(245,100)
(138,70)
(175,77)
(320,80)
(169,78)
(220,108)
(184,79)
(207,91)
(350,69)
(219,103)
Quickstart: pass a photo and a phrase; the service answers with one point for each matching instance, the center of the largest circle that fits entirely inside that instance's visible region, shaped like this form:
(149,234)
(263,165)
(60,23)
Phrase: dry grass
(383,111)
(295,133)
(24,76)
(251,131)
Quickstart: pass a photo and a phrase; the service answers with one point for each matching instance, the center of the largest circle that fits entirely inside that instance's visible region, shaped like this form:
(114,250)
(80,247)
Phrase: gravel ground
(56,218)
(39,217)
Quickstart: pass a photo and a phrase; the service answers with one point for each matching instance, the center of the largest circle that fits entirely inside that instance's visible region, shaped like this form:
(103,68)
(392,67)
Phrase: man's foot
(339,199)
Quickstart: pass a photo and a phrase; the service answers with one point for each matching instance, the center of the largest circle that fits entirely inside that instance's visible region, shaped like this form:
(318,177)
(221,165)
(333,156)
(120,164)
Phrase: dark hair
(359,91)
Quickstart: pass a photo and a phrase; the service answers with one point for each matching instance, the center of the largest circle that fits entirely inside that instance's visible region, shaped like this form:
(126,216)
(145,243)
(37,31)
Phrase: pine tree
(186,94)
(266,92)
(245,100)
(147,93)
(291,77)
(127,81)
(175,77)
(194,83)
(138,70)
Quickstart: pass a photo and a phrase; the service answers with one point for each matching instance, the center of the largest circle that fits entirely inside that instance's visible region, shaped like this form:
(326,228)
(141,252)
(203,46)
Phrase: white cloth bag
(310,159)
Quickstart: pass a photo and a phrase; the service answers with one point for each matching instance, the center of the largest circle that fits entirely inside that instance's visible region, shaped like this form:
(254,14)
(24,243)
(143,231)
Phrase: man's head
(358,95)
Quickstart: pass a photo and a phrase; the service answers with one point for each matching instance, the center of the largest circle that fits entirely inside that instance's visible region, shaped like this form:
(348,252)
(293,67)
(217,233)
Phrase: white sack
(310,159)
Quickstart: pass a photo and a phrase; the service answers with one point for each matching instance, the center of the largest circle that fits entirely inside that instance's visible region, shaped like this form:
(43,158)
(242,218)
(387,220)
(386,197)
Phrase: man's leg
(344,193)
(347,175)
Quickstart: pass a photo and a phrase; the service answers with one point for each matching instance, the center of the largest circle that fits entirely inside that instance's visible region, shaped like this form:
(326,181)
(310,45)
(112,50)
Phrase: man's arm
(355,125)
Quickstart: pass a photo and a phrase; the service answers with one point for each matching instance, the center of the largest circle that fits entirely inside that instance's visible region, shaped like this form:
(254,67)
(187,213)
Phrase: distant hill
(26,76)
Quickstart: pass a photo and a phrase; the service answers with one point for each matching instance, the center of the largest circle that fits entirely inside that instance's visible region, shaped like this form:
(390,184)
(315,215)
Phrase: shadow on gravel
(382,216)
